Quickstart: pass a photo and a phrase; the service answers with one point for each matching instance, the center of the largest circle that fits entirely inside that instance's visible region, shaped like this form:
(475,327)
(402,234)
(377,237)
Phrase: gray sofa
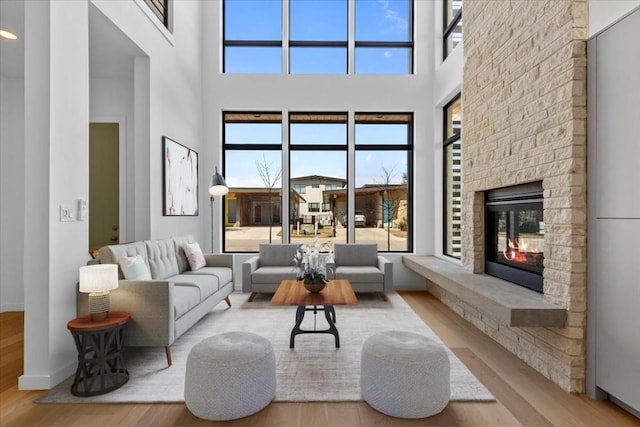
(359,263)
(163,308)
(264,272)
(363,267)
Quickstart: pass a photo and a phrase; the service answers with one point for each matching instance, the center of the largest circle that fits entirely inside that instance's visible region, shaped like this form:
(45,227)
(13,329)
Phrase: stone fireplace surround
(524,120)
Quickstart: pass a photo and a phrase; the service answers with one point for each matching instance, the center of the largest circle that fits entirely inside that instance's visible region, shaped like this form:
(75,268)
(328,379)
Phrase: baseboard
(46,382)
(11,307)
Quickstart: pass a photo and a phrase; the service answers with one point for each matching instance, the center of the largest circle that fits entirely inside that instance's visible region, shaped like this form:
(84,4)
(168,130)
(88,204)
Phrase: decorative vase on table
(311,269)
(314,284)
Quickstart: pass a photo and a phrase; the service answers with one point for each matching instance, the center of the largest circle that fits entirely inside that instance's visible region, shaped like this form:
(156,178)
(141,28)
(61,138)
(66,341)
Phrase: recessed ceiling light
(8,35)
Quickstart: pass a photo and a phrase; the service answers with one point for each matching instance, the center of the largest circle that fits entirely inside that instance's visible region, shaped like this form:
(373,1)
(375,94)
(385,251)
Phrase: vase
(314,286)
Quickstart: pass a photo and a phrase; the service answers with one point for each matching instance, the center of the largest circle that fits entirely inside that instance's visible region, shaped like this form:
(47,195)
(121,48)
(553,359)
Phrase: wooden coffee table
(293,292)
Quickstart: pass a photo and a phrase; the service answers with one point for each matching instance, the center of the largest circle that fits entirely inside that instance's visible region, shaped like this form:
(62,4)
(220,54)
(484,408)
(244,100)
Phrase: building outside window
(452,26)
(252,144)
(384,153)
(452,178)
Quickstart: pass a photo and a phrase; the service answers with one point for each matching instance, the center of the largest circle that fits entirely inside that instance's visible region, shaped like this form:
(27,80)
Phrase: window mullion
(286,30)
(351,37)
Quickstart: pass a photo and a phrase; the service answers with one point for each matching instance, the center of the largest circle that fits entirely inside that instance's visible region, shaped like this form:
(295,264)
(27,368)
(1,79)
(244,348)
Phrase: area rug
(315,370)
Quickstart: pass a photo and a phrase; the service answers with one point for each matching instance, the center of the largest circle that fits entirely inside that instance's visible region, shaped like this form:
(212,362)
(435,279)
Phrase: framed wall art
(180,170)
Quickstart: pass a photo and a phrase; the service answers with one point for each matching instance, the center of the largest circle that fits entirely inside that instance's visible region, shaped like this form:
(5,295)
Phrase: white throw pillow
(134,268)
(194,256)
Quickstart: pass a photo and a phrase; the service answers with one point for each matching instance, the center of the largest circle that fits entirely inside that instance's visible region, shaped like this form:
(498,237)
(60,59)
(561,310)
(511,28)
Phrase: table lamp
(97,280)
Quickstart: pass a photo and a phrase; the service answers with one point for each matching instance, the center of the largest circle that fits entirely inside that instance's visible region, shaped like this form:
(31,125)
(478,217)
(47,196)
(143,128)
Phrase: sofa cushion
(135,268)
(181,258)
(185,298)
(194,256)
(355,254)
(113,253)
(360,274)
(206,283)
(162,258)
(272,274)
(277,255)
(224,274)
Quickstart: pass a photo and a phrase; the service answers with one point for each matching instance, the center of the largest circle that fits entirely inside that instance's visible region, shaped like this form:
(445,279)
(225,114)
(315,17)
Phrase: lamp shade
(218,185)
(98,277)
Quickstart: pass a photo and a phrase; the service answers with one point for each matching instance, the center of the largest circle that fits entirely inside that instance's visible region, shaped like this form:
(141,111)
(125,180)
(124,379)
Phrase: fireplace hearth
(515,234)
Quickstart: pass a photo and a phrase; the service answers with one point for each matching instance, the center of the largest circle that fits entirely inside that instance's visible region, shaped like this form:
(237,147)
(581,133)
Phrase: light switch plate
(67,213)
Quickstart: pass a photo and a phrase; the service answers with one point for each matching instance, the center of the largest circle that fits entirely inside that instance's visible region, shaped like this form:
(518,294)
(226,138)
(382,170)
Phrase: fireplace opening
(515,234)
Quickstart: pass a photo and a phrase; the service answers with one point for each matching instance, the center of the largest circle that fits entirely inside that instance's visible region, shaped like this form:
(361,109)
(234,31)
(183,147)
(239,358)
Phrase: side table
(101,366)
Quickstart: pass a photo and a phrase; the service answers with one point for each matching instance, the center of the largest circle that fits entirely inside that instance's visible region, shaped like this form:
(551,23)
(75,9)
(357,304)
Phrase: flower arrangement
(311,267)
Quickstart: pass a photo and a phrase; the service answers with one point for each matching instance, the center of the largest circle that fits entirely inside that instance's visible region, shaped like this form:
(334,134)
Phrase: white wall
(603,13)
(166,101)
(11,193)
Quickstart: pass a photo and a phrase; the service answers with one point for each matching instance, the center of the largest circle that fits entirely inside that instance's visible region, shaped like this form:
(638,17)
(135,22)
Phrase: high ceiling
(111,53)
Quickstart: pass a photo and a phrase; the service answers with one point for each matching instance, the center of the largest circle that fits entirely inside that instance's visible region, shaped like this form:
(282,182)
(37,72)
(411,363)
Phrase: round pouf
(230,375)
(404,374)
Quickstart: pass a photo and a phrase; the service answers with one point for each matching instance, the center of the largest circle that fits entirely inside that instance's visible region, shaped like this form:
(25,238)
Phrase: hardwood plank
(524,397)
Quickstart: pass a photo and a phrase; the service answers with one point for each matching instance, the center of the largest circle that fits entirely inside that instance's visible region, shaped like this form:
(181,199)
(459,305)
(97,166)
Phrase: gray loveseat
(363,267)
(264,272)
(163,308)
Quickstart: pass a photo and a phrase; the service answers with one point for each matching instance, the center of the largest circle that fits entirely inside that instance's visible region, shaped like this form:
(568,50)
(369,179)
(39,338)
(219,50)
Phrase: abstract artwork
(180,168)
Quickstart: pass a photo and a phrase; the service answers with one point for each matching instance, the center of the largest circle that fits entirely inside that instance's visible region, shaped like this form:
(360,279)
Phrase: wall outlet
(67,213)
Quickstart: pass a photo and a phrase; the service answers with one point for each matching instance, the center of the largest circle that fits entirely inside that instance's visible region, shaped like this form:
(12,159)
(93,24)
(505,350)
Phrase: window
(252,144)
(452,25)
(317,158)
(452,178)
(318,36)
(160,8)
(300,188)
(252,36)
(383,144)
(384,37)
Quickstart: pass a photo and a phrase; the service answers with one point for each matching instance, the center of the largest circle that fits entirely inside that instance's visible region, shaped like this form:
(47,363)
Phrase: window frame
(408,147)
(246,147)
(245,43)
(456,137)
(389,44)
(448,27)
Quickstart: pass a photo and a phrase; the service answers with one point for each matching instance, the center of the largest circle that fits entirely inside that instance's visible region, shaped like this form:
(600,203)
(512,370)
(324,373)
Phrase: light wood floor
(524,397)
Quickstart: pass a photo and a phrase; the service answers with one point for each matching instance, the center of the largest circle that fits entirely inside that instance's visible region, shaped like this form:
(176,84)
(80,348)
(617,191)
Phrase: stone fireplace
(514,244)
(523,122)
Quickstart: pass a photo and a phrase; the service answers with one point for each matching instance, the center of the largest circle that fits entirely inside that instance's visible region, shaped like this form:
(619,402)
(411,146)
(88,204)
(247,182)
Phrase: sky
(317,20)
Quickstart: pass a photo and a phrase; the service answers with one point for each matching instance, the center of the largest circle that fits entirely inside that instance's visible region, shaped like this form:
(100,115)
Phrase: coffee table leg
(296,329)
(330,314)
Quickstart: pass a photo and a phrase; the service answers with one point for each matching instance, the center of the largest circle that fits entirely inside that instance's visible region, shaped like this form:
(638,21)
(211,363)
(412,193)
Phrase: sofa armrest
(219,260)
(386,267)
(150,303)
(248,267)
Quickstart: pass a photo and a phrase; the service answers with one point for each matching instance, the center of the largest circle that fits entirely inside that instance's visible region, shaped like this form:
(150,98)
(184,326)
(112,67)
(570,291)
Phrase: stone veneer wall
(524,120)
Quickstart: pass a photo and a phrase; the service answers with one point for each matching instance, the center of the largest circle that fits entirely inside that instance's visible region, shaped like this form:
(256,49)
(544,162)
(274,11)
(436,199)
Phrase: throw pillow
(194,256)
(134,268)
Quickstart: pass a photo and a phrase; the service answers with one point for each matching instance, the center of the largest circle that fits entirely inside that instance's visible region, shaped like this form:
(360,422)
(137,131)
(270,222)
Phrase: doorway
(104,177)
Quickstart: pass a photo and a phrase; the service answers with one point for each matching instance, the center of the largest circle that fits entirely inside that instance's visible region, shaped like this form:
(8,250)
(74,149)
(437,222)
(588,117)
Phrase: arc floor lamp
(218,188)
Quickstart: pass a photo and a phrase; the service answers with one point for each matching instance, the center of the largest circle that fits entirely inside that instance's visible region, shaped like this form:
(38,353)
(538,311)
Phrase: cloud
(387,54)
(369,157)
(391,16)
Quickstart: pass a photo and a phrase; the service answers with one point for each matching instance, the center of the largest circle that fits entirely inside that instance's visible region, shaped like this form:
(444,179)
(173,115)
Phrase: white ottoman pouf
(230,375)
(404,374)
